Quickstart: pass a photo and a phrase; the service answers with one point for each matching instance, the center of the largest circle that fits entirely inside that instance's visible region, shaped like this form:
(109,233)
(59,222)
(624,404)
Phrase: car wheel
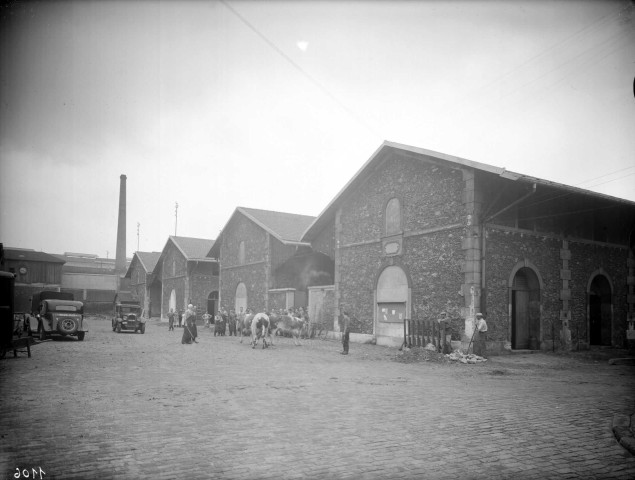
(118,328)
(67,326)
(142,329)
(80,336)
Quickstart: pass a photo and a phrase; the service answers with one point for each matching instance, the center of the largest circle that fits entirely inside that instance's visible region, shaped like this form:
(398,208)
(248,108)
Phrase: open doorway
(525,303)
(600,311)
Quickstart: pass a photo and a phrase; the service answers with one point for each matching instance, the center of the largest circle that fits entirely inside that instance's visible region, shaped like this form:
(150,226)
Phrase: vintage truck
(56,313)
(127,315)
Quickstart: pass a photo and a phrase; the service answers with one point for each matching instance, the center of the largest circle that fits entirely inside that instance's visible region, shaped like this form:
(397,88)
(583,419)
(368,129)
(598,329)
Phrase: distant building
(92,279)
(140,277)
(184,274)
(34,272)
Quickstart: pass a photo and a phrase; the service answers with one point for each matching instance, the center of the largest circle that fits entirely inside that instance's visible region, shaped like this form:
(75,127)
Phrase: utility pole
(138,224)
(176,216)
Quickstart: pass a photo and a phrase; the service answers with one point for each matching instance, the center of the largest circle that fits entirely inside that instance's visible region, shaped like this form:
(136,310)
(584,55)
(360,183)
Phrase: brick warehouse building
(139,274)
(185,274)
(417,232)
(263,263)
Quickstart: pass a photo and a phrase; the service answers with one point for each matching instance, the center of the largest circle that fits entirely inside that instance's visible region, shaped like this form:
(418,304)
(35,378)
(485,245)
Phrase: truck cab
(128,316)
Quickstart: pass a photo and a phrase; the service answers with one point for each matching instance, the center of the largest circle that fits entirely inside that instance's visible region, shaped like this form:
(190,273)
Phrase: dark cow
(288,324)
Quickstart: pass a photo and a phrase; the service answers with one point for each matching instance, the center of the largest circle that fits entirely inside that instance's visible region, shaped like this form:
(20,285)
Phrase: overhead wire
(303,72)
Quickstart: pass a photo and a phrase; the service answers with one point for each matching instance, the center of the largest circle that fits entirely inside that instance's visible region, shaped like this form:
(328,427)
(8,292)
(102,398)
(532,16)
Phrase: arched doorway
(525,307)
(393,305)
(241,298)
(212,303)
(600,311)
(172,303)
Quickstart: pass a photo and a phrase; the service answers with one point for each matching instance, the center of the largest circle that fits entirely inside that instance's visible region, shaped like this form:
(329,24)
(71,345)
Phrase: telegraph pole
(176,216)
(138,224)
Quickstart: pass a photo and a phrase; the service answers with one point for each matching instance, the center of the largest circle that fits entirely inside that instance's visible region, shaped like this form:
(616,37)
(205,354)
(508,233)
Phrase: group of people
(187,320)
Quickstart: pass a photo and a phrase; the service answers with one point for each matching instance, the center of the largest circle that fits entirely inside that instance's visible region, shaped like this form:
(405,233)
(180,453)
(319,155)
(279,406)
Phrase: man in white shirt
(480,335)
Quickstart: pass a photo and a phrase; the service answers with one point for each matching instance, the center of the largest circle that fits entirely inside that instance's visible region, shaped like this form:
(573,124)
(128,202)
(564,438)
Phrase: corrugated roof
(193,248)
(18,254)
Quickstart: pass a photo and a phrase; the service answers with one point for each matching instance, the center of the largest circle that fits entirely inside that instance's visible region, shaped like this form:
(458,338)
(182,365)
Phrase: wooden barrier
(419,333)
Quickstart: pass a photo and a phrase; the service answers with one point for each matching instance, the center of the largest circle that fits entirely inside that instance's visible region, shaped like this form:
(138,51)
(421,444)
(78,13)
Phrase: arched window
(393,217)
(241,253)
(241,298)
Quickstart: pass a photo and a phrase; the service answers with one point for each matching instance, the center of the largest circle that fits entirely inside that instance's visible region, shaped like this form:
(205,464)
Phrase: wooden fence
(419,333)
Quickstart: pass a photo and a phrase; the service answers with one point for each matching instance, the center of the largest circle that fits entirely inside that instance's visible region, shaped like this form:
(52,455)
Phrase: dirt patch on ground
(418,355)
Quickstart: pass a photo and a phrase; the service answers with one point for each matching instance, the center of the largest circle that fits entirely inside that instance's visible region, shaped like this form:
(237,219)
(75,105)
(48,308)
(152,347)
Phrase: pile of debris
(459,356)
(420,354)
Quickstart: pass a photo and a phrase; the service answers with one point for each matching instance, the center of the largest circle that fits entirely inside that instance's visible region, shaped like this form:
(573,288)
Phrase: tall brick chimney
(120,259)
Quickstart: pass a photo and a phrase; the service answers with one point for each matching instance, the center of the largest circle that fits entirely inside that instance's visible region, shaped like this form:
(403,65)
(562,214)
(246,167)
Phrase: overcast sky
(275,105)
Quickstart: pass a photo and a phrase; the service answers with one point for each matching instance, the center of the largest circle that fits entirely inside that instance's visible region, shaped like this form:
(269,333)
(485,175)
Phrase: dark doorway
(600,311)
(525,310)
(212,303)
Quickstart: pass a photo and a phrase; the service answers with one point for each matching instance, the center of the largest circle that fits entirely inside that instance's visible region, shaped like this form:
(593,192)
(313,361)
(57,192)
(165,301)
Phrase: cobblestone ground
(145,406)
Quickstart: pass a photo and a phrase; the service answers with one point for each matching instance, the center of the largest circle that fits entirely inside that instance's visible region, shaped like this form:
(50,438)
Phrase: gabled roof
(390,148)
(191,248)
(28,255)
(286,227)
(147,260)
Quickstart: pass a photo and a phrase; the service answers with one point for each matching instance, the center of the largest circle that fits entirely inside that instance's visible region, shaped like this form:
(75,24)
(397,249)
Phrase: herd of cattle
(261,325)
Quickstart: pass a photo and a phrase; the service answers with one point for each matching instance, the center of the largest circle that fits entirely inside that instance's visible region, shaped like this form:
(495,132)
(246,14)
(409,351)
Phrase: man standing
(345,328)
(180,318)
(171,320)
(480,335)
(232,322)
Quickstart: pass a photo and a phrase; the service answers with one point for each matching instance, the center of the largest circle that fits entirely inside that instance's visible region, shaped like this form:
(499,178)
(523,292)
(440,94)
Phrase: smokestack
(120,259)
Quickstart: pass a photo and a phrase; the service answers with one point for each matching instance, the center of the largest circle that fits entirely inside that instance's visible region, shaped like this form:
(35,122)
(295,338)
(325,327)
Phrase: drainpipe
(488,219)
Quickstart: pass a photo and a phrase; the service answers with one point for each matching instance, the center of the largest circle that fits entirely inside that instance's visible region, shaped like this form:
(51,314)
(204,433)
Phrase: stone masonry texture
(430,198)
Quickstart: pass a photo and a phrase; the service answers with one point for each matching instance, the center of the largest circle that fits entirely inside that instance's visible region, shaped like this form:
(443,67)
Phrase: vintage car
(127,316)
(59,317)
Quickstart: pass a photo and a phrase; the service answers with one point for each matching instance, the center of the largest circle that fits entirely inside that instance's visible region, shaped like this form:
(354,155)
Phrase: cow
(260,327)
(288,324)
(243,325)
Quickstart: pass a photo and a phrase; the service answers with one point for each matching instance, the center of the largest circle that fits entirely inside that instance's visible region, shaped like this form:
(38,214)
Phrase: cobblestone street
(145,406)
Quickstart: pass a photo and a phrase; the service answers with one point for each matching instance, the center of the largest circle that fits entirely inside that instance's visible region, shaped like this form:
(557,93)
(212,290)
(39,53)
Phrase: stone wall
(588,259)
(504,250)
(253,272)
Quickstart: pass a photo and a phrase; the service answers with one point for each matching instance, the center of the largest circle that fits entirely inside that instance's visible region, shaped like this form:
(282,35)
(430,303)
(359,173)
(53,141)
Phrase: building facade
(263,264)
(184,275)
(139,274)
(416,233)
